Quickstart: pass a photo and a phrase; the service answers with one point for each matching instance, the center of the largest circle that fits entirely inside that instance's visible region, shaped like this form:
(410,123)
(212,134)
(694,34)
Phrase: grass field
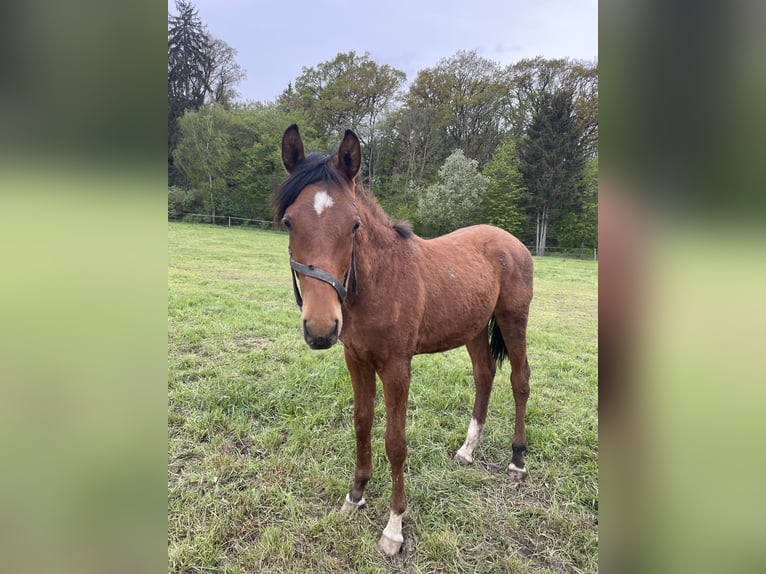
(261,441)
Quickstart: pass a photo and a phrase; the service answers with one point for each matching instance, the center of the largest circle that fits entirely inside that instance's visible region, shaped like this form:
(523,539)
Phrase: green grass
(261,441)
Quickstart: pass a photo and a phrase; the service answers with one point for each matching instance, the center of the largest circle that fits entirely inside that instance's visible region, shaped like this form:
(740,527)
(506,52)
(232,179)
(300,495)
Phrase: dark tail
(496,343)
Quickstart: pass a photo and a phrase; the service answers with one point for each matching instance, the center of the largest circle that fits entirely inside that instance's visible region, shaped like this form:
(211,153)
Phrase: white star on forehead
(322,201)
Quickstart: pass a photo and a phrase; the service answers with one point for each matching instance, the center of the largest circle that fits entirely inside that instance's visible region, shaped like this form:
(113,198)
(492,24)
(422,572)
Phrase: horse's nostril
(323,338)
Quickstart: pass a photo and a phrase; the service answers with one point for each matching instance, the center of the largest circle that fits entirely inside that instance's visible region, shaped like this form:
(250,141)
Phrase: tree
(200,68)
(224,73)
(551,160)
(349,92)
(255,168)
(412,147)
(586,109)
(578,227)
(451,106)
(463,93)
(502,205)
(203,152)
(454,201)
(528,80)
(189,68)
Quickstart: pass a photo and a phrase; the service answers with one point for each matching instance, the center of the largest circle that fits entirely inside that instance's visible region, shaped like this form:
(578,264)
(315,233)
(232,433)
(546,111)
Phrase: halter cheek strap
(322,275)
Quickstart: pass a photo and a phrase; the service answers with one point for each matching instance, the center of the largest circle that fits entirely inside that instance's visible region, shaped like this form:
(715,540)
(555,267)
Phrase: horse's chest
(381,333)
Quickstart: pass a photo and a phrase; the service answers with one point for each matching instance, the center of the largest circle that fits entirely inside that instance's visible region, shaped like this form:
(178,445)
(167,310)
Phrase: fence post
(230,221)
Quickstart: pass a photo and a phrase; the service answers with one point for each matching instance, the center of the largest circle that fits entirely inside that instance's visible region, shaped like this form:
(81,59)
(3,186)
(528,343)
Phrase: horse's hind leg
(483,375)
(514,330)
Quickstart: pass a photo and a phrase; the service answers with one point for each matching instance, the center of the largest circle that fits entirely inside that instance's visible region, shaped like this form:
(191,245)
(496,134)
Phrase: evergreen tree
(551,161)
(189,69)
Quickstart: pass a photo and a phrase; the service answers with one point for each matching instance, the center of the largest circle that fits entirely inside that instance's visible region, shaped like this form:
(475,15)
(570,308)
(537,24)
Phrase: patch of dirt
(252,341)
(178,461)
(242,446)
(533,552)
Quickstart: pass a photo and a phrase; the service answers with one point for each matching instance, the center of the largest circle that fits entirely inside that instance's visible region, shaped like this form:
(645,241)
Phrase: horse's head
(316,204)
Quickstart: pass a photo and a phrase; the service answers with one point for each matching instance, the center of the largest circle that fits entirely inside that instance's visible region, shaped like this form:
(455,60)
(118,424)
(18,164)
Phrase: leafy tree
(411,151)
(551,161)
(502,205)
(530,79)
(183,201)
(454,201)
(586,109)
(451,106)
(350,91)
(189,66)
(202,153)
(463,94)
(405,151)
(578,228)
(255,168)
(200,68)
(231,159)
(224,73)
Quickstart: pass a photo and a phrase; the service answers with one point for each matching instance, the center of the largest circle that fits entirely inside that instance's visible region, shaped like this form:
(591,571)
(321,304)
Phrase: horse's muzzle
(320,341)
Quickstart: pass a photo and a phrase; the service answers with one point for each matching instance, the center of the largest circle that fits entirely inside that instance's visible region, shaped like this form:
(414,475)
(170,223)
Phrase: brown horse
(388,295)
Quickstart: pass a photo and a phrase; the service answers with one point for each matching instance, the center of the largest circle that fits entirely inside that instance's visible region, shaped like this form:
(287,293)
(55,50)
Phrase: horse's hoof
(349,506)
(463,460)
(390,547)
(516,473)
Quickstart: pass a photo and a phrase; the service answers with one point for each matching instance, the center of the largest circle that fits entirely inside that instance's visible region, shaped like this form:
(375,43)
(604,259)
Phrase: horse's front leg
(363,382)
(396,386)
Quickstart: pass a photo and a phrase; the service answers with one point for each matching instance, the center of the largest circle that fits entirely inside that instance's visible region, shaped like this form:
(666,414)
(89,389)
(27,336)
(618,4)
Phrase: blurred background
(682,276)
(83,274)
(84,287)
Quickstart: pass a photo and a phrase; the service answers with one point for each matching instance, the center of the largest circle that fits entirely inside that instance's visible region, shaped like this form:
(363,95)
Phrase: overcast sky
(275,40)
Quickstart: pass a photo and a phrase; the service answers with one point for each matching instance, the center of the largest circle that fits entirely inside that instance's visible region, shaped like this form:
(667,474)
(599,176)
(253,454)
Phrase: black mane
(315,167)
(403,228)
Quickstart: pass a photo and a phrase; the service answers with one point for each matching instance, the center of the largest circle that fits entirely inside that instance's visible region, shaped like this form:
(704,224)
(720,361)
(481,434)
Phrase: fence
(225,220)
(230,221)
(568,252)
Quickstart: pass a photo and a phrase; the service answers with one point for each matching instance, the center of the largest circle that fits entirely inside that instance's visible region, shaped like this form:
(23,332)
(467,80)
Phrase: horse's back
(467,274)
(495,247)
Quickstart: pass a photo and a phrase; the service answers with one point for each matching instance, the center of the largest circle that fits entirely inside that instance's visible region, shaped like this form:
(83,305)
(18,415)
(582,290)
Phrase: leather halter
(322,275)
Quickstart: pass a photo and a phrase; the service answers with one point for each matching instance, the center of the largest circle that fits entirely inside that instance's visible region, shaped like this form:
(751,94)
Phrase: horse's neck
(379,246)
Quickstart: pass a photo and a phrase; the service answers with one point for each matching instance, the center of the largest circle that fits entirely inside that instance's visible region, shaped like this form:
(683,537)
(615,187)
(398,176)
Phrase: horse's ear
(292,148)
(349,155)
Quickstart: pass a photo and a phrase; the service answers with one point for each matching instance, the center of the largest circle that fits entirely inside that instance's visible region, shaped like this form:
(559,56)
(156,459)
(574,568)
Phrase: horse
(385,293)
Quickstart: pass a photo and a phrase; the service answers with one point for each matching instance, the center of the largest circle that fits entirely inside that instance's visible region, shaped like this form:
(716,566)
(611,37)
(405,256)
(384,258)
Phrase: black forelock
(315,167)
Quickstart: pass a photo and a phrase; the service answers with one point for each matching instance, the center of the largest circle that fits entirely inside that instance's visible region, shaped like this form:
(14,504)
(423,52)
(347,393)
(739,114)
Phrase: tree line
(467,141)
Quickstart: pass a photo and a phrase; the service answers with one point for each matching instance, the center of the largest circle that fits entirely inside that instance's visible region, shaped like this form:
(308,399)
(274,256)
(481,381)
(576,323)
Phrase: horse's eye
(287,224)
(357,223)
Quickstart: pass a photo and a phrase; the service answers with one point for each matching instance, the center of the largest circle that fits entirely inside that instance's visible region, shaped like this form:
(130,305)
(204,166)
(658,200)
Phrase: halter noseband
(322,275)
